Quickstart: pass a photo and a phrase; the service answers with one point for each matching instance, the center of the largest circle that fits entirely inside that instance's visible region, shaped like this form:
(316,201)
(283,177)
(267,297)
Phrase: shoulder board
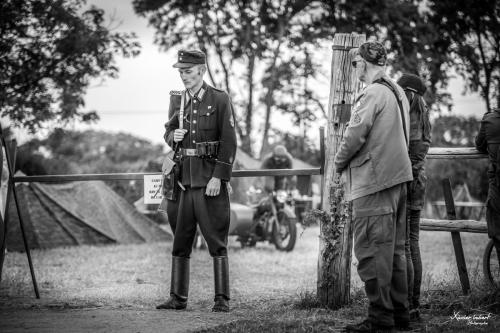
(175,92)
(217,89)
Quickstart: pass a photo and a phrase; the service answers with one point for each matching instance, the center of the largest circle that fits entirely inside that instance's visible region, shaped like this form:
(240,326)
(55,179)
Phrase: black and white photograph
(249,166)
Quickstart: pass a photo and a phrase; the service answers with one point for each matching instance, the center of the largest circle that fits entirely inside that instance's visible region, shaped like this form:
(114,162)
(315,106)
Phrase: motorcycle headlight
(281,196)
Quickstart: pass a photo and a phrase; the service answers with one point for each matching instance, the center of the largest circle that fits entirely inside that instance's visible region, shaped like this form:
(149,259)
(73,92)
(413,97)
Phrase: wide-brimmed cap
(190,58)
(373,52)
(412,82)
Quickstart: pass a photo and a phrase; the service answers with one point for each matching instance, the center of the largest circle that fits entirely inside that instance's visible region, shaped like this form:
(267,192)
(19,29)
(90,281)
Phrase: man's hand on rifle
(179,134)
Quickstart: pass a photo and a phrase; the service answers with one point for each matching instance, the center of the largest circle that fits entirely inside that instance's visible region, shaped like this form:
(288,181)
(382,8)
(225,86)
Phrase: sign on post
(152,189)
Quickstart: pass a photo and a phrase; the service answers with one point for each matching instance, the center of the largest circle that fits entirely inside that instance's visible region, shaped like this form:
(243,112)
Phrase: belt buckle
(190,152)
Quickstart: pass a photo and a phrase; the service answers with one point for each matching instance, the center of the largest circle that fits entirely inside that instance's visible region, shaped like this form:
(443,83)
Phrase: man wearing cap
(280,158)
(374,158)
(202,131)
(420,141)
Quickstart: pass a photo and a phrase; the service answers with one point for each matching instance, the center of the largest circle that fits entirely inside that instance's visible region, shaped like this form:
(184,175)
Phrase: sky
(137,102)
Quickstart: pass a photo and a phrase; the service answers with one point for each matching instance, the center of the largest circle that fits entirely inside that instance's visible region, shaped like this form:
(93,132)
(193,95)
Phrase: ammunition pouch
(171,175)
(208,150)
(170,183)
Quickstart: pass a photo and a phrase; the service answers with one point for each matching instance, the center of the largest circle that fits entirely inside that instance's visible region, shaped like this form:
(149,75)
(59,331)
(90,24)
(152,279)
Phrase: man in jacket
(374,157)
(206,142)
(278,159)
(488,141)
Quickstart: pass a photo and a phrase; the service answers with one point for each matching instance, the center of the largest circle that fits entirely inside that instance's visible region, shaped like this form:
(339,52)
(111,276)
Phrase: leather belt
(207,149)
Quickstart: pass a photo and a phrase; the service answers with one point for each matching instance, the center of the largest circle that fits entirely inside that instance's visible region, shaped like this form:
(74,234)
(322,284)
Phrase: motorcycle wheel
(285,232)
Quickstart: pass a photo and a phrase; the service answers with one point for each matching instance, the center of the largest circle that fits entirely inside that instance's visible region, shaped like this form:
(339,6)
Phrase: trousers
(211,213)
(413,258)
(379,221)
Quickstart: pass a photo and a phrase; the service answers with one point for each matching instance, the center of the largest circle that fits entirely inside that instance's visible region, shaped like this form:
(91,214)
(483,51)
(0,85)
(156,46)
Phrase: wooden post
(455,237)
(334,262)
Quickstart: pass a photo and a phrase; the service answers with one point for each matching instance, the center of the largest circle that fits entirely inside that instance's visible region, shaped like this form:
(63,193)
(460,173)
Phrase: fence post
(455,237)
(334,262)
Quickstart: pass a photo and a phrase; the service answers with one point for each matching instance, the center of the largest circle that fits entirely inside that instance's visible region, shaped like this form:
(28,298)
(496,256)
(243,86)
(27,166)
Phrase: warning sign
(152,189)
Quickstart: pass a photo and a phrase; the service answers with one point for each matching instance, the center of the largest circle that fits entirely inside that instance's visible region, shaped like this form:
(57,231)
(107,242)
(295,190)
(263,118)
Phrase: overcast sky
(137,102)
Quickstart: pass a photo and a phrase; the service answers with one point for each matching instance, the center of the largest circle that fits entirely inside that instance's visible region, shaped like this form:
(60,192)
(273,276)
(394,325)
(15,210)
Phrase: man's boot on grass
(179,285)
(221,277)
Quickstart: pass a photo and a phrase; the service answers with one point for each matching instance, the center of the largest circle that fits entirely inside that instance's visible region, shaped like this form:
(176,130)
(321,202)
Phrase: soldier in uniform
(207,146)
(420,141)
(488,141)
(374,158)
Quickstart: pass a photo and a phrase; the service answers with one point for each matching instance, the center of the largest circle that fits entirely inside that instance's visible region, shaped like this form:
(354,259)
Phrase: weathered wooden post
(334,262)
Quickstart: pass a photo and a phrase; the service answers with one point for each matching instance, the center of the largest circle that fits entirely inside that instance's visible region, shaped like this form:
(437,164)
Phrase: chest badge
(209,107)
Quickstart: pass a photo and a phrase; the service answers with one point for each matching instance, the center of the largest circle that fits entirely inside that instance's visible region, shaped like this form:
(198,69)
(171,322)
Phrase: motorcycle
(272,219)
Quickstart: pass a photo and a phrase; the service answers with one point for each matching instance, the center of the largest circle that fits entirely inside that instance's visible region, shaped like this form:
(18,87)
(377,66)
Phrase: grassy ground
(271,290)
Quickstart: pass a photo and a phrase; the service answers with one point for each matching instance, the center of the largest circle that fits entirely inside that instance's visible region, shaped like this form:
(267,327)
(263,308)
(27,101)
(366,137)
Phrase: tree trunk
(269,98)
(334,262)
(246,144)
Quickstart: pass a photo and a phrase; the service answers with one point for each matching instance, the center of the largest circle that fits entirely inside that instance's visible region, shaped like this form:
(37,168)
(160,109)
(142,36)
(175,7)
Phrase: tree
(247,40)
(470,38)
(49,52)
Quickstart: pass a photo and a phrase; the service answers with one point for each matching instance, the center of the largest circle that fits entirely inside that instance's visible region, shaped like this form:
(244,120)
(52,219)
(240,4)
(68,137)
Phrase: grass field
(269,288)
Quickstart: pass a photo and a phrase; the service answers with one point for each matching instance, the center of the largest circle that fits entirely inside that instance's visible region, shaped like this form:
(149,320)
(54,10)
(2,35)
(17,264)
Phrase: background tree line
(265,52)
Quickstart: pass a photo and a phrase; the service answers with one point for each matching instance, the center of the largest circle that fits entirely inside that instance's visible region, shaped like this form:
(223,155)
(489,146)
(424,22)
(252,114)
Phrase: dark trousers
(212,214)
(379,221)
(413,259)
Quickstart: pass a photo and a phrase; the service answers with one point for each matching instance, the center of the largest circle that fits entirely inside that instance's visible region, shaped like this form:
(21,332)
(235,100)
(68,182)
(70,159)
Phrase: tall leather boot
(179,285)
(221,277)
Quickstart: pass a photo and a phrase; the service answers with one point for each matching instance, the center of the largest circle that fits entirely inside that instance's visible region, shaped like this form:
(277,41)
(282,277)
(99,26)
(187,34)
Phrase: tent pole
(10,166)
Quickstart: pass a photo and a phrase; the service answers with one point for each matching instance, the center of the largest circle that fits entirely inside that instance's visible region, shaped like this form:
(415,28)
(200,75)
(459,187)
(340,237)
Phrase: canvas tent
(77,213)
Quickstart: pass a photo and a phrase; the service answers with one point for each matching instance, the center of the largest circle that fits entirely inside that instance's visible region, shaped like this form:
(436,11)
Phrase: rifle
(171,168)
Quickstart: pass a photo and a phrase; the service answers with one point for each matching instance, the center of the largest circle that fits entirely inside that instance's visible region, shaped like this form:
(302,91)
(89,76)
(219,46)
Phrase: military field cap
(190,58)
(412,82)
(373,52)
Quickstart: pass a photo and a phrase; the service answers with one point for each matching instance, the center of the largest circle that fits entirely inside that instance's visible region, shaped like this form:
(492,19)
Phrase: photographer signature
(478,319)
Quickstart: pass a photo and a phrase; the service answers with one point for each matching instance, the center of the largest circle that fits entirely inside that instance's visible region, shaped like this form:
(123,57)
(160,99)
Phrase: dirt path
(109,320)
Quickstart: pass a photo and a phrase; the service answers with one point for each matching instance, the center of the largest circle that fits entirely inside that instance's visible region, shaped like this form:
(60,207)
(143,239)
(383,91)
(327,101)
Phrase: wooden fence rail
(434,153)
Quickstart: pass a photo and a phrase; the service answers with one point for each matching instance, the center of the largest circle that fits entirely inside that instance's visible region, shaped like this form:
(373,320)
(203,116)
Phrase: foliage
(456,131)
(72,152)
(266,51)
(332,226)
(49,52)
(470,39)
(247,40)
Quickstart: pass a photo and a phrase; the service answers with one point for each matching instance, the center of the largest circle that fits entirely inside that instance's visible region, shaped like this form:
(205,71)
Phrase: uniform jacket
(488,141)
(374,152)
(208,116)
